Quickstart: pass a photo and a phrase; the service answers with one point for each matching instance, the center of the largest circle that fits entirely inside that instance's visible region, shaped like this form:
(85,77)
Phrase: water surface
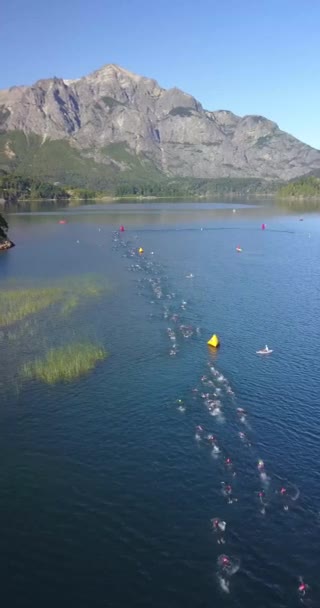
(106,494)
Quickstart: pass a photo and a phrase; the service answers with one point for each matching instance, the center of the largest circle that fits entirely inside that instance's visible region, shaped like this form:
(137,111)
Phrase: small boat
(264,351)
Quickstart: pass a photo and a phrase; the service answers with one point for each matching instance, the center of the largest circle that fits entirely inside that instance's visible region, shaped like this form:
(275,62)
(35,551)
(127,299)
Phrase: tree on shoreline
(3,228)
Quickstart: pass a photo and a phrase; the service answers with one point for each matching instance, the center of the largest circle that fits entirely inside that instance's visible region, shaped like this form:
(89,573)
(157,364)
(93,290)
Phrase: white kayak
(264,351)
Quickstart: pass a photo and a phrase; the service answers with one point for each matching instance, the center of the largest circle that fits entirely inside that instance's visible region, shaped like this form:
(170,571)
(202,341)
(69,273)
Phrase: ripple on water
(107,470)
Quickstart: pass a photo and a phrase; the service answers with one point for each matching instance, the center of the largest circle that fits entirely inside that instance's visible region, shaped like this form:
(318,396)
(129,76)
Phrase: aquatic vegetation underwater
(21,300)
(38,324)
(16,304)
(65,364)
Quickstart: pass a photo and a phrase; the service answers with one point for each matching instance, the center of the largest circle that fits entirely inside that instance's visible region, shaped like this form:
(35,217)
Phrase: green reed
(65,364)
(18,302)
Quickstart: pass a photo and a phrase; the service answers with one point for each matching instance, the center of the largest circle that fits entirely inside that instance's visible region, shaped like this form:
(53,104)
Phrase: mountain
(112,124)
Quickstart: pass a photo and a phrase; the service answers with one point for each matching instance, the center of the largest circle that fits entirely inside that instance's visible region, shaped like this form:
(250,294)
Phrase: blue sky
(248,56)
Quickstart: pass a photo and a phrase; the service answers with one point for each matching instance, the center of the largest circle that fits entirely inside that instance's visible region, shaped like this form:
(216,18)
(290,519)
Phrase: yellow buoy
(214,341)
(140,250)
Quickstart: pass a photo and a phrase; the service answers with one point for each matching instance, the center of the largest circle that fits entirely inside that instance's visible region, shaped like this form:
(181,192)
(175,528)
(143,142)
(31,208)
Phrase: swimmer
(284,494)
(242,415)
(214,411)
(228,565)
(218,528)
(244,437)
(303,588)
(260,465)
(227,492)
(211,438)
(263,502)
(289,495)
(218,524)
(226,489)
(228,462)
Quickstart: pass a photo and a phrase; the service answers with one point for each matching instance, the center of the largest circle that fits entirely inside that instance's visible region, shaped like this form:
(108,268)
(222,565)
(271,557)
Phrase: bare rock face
(48,108)
(168,127)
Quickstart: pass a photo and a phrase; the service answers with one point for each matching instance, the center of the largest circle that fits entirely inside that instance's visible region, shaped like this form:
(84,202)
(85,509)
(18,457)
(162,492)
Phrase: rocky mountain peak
(168,128)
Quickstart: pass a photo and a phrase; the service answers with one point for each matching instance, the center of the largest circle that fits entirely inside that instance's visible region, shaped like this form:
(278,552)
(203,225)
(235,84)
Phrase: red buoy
(62,222)
(121,228)
(263,226)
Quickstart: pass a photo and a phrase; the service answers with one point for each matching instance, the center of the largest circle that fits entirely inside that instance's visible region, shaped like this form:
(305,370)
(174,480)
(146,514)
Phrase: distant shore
(291,200)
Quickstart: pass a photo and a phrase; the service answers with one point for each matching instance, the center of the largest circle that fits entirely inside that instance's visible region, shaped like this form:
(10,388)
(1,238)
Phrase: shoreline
(298,201)
(109,198)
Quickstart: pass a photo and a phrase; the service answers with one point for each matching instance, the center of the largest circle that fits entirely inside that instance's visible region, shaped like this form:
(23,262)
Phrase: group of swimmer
(153,280)
(213,393)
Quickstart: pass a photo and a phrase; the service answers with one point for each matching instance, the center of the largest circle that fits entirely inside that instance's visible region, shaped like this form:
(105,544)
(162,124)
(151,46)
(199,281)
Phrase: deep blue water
(106,494)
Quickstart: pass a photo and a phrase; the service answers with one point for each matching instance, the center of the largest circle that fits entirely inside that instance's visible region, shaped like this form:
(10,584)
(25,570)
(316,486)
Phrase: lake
(108,488)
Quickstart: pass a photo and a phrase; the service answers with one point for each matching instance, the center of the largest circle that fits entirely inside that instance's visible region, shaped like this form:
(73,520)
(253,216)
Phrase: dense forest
(14,188)
(194,187)
(305,187)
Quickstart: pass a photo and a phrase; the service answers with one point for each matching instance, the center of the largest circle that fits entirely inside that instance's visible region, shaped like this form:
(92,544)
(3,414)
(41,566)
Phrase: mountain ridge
(166,130)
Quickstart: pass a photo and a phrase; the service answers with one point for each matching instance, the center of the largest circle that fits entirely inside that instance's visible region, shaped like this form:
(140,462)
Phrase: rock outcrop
(6,244)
